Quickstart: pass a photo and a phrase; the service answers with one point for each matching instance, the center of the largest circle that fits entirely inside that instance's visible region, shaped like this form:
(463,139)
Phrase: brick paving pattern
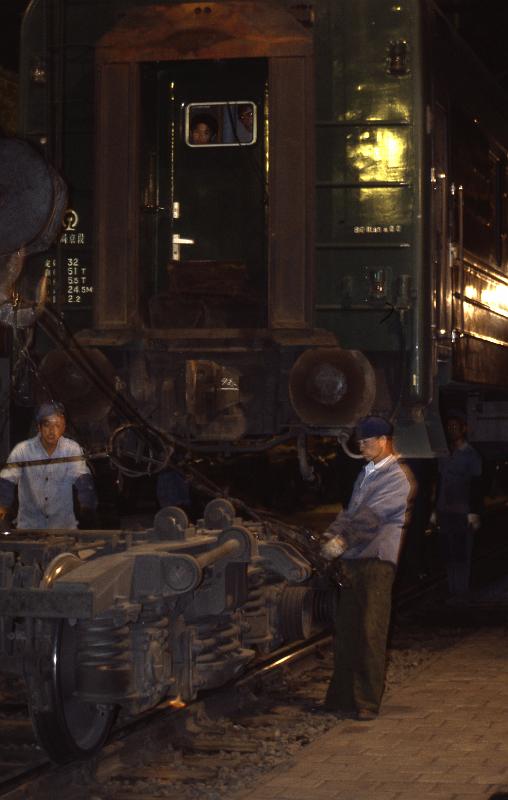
(442,736)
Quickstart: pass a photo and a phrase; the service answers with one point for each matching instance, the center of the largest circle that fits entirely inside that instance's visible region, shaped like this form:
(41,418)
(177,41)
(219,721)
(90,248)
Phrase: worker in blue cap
(366,537)
(47,470)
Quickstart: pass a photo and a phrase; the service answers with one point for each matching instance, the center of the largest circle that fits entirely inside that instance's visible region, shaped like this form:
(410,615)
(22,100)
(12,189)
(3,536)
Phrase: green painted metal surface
(368,136)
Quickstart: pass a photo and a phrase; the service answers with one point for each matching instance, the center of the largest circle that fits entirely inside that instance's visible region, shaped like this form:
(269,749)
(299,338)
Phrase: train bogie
(107,619)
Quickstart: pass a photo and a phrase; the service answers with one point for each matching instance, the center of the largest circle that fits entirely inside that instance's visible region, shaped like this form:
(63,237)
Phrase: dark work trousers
(456,538)
(361,632)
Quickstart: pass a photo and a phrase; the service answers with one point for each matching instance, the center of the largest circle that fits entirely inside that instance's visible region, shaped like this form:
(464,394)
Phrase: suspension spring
(255,599)
(225,639)
(101,643)
(152,625)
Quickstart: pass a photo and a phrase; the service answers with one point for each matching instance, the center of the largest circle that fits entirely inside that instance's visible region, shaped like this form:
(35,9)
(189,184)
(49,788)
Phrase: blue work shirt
(456,475)
(45,492)
(378,503)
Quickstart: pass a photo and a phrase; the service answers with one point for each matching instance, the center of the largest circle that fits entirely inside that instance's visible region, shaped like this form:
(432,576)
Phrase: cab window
(221,124)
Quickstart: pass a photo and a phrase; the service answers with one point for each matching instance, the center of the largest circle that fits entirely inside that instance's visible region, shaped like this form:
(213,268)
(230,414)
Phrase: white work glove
(333,548)
(474,522)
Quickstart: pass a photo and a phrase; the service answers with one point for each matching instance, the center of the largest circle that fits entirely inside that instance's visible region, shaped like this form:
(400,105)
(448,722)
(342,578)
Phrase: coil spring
(225,639)
(101,642)
(255,600)
(151,623)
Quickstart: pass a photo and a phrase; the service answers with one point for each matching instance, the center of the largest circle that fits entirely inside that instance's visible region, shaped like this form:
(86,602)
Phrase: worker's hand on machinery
(333,548)
(474,522)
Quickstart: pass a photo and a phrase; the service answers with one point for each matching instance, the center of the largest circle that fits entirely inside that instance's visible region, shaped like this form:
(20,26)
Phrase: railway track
(18,749)
(24,767)
(262,716)
(227,738)
(245,726)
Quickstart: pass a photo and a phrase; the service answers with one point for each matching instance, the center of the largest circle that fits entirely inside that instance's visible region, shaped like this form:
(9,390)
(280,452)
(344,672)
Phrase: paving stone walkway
(443,736)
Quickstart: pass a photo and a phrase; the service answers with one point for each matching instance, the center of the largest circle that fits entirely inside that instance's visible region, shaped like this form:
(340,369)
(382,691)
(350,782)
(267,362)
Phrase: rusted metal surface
(204,31)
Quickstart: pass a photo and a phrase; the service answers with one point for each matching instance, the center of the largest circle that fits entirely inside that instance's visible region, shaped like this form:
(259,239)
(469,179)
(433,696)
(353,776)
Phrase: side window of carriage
(221,124)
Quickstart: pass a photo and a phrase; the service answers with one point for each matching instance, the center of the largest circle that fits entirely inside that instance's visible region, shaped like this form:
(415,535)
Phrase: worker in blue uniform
(458,504)
(46,489)
(366,537)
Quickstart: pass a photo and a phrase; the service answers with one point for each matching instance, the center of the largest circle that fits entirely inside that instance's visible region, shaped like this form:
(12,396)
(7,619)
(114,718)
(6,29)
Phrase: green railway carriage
(345,252)
(280,217)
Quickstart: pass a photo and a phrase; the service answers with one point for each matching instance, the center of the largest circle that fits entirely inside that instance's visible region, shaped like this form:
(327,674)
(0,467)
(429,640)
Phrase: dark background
(483,23)
(11,12)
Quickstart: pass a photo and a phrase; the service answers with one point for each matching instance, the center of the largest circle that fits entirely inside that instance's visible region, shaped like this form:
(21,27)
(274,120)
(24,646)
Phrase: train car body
(345,252)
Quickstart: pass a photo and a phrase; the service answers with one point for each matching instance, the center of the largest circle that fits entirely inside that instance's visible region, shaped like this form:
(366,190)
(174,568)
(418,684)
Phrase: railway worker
(458,504)
(46,492)
(366,537)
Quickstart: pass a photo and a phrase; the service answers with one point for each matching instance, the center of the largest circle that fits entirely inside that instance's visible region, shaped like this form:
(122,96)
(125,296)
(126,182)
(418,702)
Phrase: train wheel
(65,726)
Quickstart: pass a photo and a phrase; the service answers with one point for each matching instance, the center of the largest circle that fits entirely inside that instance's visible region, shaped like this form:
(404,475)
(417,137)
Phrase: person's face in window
(247,118)
(201,133)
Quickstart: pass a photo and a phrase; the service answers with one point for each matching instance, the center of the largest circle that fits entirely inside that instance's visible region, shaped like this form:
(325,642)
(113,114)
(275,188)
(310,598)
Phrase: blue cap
(47,410)
(373,426)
